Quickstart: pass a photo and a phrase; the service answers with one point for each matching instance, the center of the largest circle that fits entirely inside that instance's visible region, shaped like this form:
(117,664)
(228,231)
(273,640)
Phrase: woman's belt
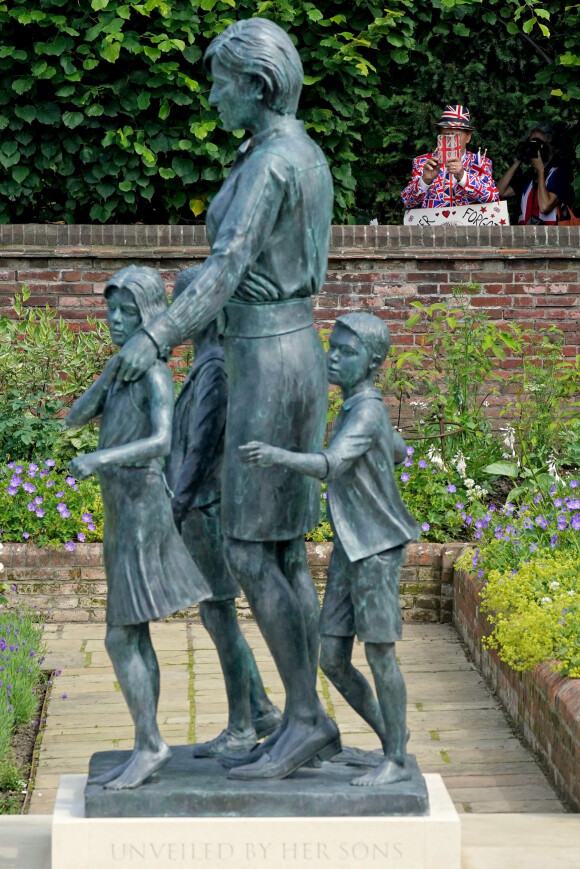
(251,320)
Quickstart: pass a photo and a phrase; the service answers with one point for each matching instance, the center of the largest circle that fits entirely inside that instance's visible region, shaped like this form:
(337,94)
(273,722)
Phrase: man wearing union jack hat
(447,178)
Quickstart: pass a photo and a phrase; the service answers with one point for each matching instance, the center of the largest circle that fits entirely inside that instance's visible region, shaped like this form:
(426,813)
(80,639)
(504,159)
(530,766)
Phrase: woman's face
(236,95)
(123,315)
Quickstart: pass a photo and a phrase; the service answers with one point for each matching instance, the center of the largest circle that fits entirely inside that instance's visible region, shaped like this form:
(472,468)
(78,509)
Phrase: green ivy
(104,113)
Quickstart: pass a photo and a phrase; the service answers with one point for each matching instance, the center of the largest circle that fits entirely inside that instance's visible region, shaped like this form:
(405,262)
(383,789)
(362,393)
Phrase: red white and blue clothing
(476,185)
(558,180)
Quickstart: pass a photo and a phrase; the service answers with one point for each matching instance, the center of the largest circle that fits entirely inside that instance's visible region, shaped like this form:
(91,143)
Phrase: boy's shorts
(201,531)
(362,597)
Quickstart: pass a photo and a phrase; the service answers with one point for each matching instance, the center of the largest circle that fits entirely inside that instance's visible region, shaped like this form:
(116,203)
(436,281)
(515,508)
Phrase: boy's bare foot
(108,776)
(388,773)
(141,766)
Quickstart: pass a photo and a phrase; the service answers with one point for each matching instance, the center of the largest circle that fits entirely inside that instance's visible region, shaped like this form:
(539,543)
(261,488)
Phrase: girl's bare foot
(108,776)
(141,766)
(387,773)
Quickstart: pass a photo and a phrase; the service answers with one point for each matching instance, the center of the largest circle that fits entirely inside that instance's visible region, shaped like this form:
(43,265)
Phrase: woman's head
(545,129)
(259,48)
(135,295)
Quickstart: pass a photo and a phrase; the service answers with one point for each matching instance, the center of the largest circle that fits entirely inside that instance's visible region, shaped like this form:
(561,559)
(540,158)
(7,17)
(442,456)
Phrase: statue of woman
(269,229)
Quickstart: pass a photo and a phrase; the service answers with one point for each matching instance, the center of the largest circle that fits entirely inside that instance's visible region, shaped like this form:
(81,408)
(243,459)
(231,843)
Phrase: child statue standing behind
(371,528)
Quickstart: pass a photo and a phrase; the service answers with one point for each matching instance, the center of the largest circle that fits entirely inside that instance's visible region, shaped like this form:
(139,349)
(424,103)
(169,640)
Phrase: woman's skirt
(278,394)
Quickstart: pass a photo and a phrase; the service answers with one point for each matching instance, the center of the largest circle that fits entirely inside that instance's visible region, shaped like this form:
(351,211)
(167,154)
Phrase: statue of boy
(194,473)
(371,528)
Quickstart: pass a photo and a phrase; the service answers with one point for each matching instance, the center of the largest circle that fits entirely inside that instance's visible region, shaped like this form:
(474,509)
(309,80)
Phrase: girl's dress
(150,573)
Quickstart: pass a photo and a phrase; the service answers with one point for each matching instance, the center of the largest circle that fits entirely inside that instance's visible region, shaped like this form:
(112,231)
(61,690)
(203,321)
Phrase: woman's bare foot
(387,773)
(141,766)
(111,774)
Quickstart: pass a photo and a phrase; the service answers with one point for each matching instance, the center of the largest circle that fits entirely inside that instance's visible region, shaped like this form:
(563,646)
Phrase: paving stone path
(457,727)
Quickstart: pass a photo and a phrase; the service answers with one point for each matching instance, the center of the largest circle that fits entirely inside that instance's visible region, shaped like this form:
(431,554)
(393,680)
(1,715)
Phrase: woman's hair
(146,286)
(544,127)
(258,47)
(373,333)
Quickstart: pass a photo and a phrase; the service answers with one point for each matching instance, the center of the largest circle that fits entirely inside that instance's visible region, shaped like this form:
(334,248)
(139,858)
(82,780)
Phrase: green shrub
(535,612)
(44,365)
(104,112)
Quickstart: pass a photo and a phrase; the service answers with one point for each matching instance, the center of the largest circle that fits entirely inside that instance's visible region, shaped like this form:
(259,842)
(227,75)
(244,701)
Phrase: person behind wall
(460,180)
(544,188)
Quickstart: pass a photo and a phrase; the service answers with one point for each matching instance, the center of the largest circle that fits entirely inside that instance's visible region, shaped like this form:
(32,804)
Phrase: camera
(528,150)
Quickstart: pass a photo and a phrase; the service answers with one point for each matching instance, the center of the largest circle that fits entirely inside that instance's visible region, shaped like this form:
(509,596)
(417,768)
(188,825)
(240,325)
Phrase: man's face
(347,360)
(464,135)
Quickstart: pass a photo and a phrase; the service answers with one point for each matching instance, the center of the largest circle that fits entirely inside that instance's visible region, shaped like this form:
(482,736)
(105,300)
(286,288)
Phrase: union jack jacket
(477,185)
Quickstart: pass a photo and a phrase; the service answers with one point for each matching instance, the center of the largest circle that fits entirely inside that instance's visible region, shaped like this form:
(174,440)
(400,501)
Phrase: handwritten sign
(478,214)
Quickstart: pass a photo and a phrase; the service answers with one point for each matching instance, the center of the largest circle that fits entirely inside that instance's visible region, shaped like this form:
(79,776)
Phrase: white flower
(546,600)
(571,593)
(554,585)
(509,441)
(435,458)
(553,470)
(469,483)
(459,460)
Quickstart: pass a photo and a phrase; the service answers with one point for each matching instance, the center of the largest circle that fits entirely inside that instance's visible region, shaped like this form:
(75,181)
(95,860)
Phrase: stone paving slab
(457,728)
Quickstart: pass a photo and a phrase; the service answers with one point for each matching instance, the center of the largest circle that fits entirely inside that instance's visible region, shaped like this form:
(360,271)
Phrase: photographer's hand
(430,171)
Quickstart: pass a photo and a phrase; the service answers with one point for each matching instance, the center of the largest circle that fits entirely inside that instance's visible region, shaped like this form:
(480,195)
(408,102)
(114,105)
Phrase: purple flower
(57,672)
(63,696)
(69,545)
(50,463)
(480,574)
(28,487)
(49,483)
(408,462)
(451,488)
(425,526)
(32,468)
(40,512)
(573,504)
(562,523)
(81,537)
(478,535)
(554,541)
(558,502)
(91,526)
(31,506)
(541,522)
(70,481)
(422,463)
(18,469)
(86,517)
(2,644)
(11,465)
(59,494)
(573,484)
(410,451)
(38,500)
(404,477)
(26,535)
(44,473)
(12,490)
(459,505)
(575,522)
(324,495)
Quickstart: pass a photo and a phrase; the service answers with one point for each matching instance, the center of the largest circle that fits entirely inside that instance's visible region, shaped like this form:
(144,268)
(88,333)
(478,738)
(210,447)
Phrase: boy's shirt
(194,466)
(367,512)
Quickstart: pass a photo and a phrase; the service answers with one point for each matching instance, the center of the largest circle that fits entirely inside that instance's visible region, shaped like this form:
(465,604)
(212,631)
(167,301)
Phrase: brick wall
(70,586)
(543,705)
(528,274)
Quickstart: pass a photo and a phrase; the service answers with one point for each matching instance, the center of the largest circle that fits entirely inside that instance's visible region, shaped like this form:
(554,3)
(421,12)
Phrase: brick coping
(347,242)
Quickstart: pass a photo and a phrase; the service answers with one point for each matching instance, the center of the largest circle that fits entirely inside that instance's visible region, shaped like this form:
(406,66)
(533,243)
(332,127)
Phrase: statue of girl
(150,573)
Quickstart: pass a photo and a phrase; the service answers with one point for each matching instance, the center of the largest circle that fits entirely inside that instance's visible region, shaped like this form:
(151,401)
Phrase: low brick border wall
(544,705)
(71,587)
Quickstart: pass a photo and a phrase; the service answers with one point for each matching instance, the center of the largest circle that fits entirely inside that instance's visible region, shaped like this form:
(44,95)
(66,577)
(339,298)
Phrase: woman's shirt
(269,230)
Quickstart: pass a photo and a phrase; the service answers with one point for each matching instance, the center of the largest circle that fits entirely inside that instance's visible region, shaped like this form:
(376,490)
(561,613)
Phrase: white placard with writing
(478,214)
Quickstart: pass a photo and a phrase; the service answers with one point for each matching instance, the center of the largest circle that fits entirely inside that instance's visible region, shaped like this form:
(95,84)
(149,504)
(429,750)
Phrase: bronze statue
(269,229)
(371,528)
(150,573)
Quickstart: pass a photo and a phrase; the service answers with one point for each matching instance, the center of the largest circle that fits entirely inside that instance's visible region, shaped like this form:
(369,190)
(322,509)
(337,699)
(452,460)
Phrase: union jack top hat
(455,116)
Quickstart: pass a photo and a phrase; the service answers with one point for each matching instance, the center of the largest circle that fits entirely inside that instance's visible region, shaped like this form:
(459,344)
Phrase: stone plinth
(420,842)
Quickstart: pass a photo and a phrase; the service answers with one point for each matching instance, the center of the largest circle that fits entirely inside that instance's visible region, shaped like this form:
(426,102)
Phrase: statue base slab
(195,787)
(430,841)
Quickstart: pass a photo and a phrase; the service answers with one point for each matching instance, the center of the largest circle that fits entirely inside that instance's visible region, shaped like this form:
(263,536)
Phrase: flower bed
(542,703)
